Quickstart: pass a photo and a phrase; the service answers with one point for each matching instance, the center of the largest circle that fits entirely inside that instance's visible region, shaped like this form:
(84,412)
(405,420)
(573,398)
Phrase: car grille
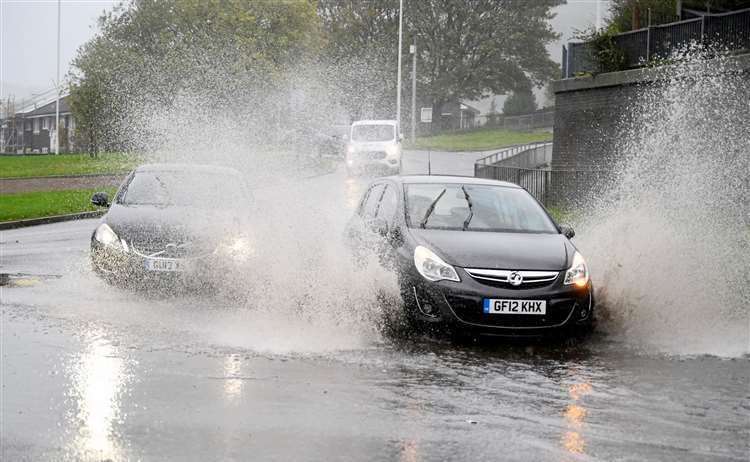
(470,309)
(372,155)
(499,278)
(164,249)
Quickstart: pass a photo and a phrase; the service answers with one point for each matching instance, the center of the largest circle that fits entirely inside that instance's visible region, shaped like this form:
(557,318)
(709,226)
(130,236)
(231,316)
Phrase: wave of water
(669,243)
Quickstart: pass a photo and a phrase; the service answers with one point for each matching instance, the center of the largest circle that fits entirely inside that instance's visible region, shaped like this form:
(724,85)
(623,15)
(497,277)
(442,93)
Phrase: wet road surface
(91,372)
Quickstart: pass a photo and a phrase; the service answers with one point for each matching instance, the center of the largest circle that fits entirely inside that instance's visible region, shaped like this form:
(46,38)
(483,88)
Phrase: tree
(467,49)
(520,102)
(148,52)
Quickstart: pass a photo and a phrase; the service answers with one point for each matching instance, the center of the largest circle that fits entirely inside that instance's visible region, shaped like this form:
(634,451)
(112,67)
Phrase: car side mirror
(380,226)
(567,231)
(396,237)
(100,199)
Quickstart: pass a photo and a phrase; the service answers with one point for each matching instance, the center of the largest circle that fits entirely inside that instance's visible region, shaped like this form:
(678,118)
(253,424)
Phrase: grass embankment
(484,139)
(47,203)
(64,164)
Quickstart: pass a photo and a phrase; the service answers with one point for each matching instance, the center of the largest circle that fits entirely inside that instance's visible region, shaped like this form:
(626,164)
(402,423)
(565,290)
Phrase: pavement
(302,371)
(56,183)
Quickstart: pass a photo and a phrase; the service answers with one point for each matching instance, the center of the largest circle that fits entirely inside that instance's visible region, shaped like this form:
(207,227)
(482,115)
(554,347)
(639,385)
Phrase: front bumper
(461,306)
(128,268)
(373,161)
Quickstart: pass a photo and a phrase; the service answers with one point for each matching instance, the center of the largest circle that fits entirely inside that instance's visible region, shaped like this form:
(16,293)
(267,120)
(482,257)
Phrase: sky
(28,36)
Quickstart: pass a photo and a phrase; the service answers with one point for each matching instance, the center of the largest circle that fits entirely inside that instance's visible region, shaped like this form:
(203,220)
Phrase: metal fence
(550,187)
(729,31)
(507,153)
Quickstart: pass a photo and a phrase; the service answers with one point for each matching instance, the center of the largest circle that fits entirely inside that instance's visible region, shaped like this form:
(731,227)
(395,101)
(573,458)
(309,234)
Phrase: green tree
(467,49)
(153,50)
(520,102)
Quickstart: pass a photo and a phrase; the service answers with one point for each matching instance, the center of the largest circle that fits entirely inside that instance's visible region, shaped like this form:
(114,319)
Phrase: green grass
(478,140)
(47,203)
(64,164)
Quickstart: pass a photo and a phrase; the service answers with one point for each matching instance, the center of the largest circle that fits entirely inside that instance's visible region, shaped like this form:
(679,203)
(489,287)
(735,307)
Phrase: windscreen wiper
(430,209)
(471,208)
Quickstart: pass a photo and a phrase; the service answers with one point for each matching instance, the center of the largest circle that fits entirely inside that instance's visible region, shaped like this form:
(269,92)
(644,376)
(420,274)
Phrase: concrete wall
(589,113)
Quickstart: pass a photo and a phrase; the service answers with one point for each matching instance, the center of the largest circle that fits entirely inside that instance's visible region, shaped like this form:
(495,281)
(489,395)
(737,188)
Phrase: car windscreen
(182,188)
(493,208)
(379,132)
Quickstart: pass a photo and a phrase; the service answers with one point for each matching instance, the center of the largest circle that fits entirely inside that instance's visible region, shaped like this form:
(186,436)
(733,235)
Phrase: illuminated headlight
(239,249)
(578,273)
(105,236)
(350,162)
(392,150)
(432,267)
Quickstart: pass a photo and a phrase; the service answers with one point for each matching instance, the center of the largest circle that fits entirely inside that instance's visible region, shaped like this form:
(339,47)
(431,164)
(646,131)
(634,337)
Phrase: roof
(179,167)
(375,122)
(472,109)
(49,108)
(449,179)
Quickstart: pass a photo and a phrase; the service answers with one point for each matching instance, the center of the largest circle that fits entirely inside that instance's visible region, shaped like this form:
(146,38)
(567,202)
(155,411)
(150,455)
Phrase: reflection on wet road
(95,373)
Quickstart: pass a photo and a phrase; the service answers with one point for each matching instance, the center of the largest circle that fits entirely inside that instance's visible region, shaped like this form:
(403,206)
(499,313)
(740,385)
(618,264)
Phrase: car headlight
(578,273)
(392,150)
(432,267)
(105,236)
(239,249)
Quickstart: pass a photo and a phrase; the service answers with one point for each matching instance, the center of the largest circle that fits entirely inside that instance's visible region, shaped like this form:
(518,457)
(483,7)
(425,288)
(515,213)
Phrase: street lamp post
(57,100)
(398,78)
(413,50)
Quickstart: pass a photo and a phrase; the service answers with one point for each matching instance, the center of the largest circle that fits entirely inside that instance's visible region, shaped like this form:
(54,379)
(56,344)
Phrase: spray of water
(302,291)
(669,242)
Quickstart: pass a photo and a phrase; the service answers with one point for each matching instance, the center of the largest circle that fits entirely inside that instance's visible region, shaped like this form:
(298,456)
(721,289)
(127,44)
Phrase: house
(34,130)
(454,115)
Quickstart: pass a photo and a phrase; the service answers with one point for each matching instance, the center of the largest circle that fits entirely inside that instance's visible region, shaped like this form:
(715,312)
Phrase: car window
(495,208)
(370,206)
(376,132)
(183,188)
(388,204)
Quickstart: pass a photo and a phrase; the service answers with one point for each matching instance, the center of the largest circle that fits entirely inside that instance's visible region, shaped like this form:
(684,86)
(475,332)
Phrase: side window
(370,207)
(388,204)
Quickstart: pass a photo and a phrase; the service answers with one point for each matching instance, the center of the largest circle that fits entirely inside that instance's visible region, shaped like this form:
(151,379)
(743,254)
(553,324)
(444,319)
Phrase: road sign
(426,115)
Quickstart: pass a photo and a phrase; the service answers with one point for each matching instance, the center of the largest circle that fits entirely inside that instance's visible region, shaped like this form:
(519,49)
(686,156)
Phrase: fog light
(583,313)
(424,306)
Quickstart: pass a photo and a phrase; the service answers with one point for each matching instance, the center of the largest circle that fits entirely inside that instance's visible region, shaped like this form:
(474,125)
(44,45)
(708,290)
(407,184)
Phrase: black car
(174,224)
(479,256)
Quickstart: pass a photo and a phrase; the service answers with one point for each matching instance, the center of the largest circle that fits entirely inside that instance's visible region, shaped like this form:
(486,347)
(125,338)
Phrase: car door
(361,226)
(384,223)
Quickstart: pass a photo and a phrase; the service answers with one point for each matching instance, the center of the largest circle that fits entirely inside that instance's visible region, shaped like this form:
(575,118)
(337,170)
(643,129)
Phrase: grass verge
(64,164)
(47,203)
(478,140)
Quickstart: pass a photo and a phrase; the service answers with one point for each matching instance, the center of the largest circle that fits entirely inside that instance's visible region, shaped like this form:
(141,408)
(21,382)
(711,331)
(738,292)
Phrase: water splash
(670,241)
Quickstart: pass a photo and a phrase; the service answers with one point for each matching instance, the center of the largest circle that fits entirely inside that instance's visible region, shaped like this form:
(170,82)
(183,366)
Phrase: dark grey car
(480,256)
(174,224)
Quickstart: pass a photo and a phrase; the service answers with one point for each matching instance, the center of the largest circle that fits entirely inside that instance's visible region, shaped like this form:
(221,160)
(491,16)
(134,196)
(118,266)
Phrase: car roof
(180,167)
(449,179)
(375,122)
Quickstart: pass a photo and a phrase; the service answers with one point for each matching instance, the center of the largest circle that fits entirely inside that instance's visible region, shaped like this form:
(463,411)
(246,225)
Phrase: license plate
(501,306)
(164,264)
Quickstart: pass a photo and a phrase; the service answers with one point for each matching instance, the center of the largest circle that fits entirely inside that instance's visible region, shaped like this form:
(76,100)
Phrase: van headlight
(578,273)
(392,150)
(105,236)
(432,267)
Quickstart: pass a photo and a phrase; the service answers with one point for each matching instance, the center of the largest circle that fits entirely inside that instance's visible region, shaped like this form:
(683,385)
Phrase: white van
(374,145)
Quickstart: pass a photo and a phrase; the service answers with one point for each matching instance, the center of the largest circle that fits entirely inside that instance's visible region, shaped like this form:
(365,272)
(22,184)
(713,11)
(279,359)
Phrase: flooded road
(91,372)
